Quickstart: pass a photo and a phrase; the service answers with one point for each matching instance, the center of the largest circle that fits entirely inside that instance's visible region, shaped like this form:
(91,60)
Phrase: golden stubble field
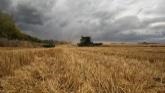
(121,69)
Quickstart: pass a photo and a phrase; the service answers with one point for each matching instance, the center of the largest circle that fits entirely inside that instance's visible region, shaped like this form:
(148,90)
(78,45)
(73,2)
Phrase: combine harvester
(86,42)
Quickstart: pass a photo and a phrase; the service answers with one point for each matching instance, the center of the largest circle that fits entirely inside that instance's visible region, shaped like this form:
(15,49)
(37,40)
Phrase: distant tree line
(10,35)
(10,31)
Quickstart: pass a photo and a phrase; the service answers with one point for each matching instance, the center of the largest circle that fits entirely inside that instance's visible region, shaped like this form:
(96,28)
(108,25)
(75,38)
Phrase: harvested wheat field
(121,69)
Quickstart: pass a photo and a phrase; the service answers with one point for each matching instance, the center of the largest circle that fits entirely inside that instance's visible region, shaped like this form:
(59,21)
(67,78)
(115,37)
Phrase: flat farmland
(115,69)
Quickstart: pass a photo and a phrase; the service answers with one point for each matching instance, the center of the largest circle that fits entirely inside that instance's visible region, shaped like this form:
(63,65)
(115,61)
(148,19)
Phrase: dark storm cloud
(104,20)
(4,4)
(28,15)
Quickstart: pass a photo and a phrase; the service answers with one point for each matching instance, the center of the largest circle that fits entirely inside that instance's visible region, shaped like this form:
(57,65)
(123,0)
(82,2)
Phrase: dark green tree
(10,31)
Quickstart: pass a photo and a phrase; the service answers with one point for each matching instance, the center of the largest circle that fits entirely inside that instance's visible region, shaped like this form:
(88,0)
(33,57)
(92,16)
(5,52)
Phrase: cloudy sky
(104,20)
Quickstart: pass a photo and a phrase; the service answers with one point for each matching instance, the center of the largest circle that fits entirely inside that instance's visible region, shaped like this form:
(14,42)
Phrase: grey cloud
(128,22)
(154,20)
(104,20)
(28,15)
(4,4)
